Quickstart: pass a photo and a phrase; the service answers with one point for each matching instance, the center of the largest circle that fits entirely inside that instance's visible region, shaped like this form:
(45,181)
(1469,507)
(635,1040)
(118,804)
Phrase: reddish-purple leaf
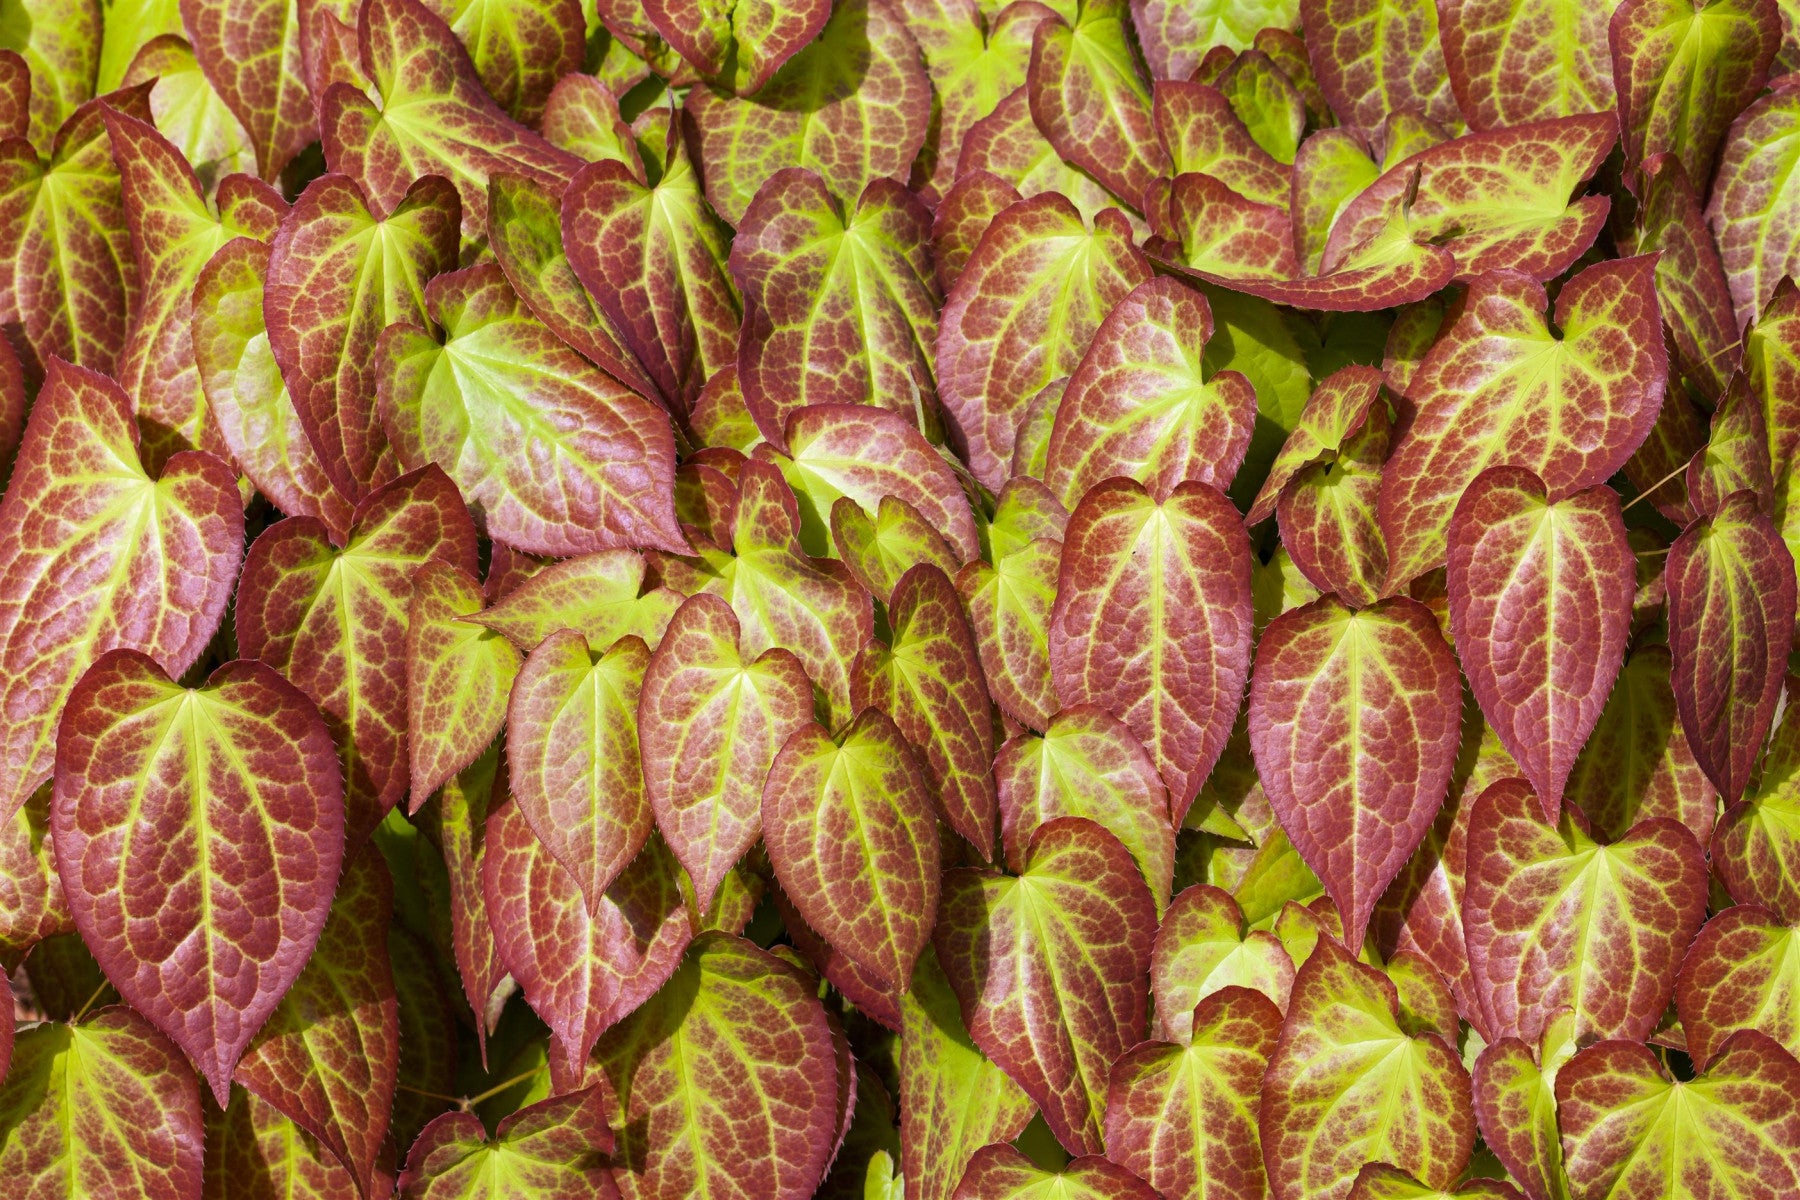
(1002,1172)
(743,41)
(1354,722)
(457,822)
(1632,1133)
(1184,1116)
(852,836)
(1203,947)
(553,1150)
(1335,412)
(928,677)
(1742,972)
(1050,968)
(1022,313)
(433,119)
(1553,918)
(1374,58)
(1328,511)
(32,904)
(457,678)
(1008,144)
(1176,37)
(572,745)
(1379,1181)
(520,48)
(880,549)
(709,727)
(218,809)
(94,555)
(338,275)
(582,969)
(962,216)
(1515,1105)
(1093,106)
(1690,279)
(1731,620)
(1152,622)
(1514,61)
(1756,847)
(1500,389)
(255,1153)
(582,116)
(1751,197)
(251,55)
(1736,455)
(1009,602)
(724,1084)
(1540,603)
(327,1056)
(1201,133)
(334,622)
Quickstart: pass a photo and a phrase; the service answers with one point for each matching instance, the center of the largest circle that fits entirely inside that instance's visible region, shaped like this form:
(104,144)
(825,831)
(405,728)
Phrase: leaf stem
(499,1087)
(1645,494)
(82,1011)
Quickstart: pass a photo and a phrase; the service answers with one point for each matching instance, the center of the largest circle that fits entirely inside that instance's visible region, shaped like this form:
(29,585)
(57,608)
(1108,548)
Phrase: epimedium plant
(941,599)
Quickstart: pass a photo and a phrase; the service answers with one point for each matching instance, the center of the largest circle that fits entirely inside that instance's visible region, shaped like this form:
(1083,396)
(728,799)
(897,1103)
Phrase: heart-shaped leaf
(1152,622)
(723,1083)
(1515,1105)
(1203,948)
(1009,602)
(552,1150)
(1736,455)
(120,560)
(1004,1173)
(1202,134)
(709,727)
(881,549)
(501,394)
(1499,78)
(1088,98)
(221,808)
(572,745)
(1553,918)
(251,55)
(1184,1116)
(1040,276)
(1742,972)
(1354,725)
(1379,1181)
(1540,602)
(1750,188)
(1629,1130)
(334,622)
(101,1108)
(1499,388)
(1050,968)
(1337,409)
(1176,37)
(1375,58)
(458,676)
(32,904)
(1343,1048)
(520,50)
(740,43)
(853,839)
(1328,511)
(601,596)
(1008,144)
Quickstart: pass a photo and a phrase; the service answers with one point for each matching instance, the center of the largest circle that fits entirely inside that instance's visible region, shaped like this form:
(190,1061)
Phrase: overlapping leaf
(252,1150)
(458,676)
(1009,602)
(1690,279)
(1049,968)
(1004,1173)
(1742,972)
(1374,58)
(1756,847)
(1751,195)
(1515,1105)
(601,596)
(1176,37)
(881,549)
(251,55)
(32,904)
(552,1150)
(744,41)
(520,50)
(1087,97)
(1201,133)
(1514,61)
(1008,145)
(1202,948)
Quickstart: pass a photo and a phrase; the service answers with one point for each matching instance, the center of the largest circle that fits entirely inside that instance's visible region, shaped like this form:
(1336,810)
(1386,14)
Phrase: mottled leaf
(457,678)
(552,1150)
(1004,1173)
(1093,106)
(1690,279)
(1008,145)
(1751,197)
(880,549)
(600,596)
(1203,948)
(1514,61)
(1742,972)
(1201,133)
(251,55)
(1515,1105)
(1337,409)
(520,48)
(32,904)
(1175,37)
(1376,57)
(1328,511)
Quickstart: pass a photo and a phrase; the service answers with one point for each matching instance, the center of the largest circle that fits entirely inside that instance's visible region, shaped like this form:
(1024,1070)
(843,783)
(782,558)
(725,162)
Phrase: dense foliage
(946,599)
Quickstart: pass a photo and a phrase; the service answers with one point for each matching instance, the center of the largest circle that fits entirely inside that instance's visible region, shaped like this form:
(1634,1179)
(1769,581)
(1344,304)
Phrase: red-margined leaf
(1175,37)
(189,111)
(601,596)
(582,967)
(654,260)
(928,678)
(338,275)
(812,607)
(853,106)
(255,1153)
(457,823)
(1690,279)
(245,392)
(1088,98)
(1201,948)
(1344,1050)
(1379,1181)
(1751,190)
(1201,133)
(866,453)
(880,549)
(1050,968)
(1331,168)
(1040,278)
(710,724)
(556,456)
(1731,619)
(71,281)
(520,48)
(1337,409)
(458,676)
(1515,1105)
(1008,144)
(1184,1117)
(58,53)
(1632,1133)
(1637,763)
(334,622)
(1742,972)
(13,404)
(251,55)
(328,1054)
(962,216)
(1266,100)
(428,1037)
(724,1082)
(525,234)
(102,1109)
(1683,71)
(552,1150)
(840,302)
(1514,61)
(1540,603)
(572,746)
(1009,602)
(1002,1172)
(1141,405)
(1354,722)
(119,559)
(1736,455)
(221,808)
(739,43)
(953,1100)
(434,117)
(1494,201)
(32,904)
(1152,622)
(1374,59)
(1500,389)
(173,233)
(1553,918)
(853,840)
(1328,513)
(582,117)
(1756,846)
(1087,764)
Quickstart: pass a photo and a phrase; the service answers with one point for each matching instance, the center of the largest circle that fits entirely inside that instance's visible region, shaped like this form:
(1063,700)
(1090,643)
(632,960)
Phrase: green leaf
(1090,101)
(553,1150)
(1004,1173)
(1202,948)
(601,596)
(189,111)
(458,676)
(520,48)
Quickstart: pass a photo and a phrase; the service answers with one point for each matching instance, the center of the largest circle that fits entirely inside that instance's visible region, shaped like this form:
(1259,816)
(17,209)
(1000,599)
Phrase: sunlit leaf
(1513,61)
(739,43)
(1742,972)
(520,48)
(1376,57)
(552,1150)
(457,678)
(251,55)
(1004,1173)
(1750,191)
(1202,948)
(1515,1105)
(1088,98)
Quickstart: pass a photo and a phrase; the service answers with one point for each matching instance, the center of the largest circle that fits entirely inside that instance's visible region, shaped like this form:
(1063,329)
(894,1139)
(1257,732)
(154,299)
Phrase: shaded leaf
(1087,97)
(251,55)
(1749,193)
(1515,1105)
(1376,57)
(553,1150)
(1690,279)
